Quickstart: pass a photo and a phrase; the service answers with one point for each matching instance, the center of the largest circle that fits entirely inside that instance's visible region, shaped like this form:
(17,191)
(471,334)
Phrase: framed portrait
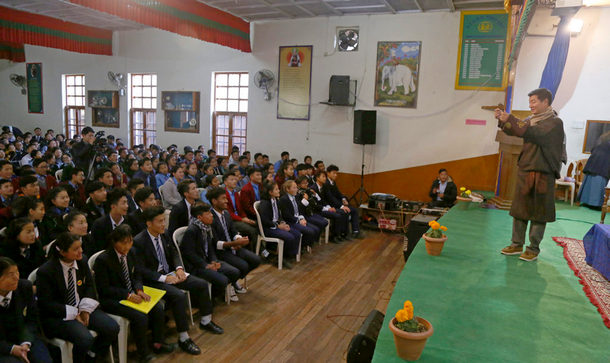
(34,84)
(397,70)
(294,82)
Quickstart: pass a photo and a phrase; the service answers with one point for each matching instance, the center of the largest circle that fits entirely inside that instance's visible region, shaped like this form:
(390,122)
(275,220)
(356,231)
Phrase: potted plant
(410,333)
(465,195)
(435,239)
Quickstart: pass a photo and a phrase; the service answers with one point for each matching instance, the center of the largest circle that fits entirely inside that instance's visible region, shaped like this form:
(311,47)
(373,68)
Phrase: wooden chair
(605,206)
(579,175)
(570,186)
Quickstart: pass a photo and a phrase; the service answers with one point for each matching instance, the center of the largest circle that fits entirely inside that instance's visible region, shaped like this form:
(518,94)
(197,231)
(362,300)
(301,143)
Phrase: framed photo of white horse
(396,80)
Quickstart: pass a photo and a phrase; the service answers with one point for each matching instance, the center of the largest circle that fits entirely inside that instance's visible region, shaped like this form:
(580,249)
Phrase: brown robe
(539,165)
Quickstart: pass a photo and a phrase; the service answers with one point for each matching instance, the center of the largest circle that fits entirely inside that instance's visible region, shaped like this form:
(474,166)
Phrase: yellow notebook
(146,306)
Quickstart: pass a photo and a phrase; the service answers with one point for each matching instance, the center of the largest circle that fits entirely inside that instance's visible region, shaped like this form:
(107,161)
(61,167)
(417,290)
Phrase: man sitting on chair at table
(229,242)
(116,279)
(198,248)
(162,269)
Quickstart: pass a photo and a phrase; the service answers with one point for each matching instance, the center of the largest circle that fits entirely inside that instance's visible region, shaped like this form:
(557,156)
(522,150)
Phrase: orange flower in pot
(410,333)
(435,239)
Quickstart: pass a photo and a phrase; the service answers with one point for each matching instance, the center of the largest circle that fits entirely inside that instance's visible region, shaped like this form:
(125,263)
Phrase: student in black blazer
(67,301)
(294,214)
(19,338)
(340,202)
(310,201)
(198,253)
(145,198)
(274,224)
(229,242)
(76,221)
(21,246)
(94,206)
(117,215)
(57,205)
(340,220)
(162,268)
(181,212)
(116,279)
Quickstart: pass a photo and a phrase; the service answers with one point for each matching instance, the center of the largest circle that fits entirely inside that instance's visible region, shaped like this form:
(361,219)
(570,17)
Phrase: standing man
(83,152)
(539,166)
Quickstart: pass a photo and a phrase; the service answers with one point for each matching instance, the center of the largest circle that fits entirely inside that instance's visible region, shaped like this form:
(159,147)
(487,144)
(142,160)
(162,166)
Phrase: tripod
(361,192)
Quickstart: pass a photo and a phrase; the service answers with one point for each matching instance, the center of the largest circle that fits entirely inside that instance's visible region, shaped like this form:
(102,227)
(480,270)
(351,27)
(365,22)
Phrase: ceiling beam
(419,5)
(387,4)
(268,3)
(451,5)
(307,11)
(360,7)
(331,8)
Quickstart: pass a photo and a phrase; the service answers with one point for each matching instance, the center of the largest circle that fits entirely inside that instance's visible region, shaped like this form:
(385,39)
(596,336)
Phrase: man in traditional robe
(539,165)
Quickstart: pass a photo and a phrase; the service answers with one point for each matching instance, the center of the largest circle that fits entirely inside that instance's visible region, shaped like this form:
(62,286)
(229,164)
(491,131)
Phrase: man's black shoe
(211,327)
(286,264)
(189,347)
(346,237)
(164,348)
(357,235)
(147,358)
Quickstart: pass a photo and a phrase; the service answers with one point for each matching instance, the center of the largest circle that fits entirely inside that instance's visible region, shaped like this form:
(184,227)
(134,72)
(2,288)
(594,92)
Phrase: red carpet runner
(596,287)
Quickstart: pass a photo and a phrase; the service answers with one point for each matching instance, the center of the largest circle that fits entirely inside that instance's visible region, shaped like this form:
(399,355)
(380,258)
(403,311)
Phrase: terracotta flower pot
(409,346)
(434,246)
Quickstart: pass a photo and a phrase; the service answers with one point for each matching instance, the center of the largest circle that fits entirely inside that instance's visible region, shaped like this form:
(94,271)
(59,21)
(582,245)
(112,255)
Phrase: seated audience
(162,173)
(145,198)
(241,222)
(250,192)
(181,212)
(229,241)
(311,203)
(340,202)
(20,339)
(76,222)
(162,269)
(29,187)
(74,184)
(118,278)
(7,193)
(133,186)
(307,160)
(117,215)
(94,207)
(20,244)
(57,205)
(274,224)
(146,173)
(294,214)
(169,190)
(67,302)
(46,182)
(340,222)
(284,157)
(191,172)
(119,179)
(105,176)
(198,248)
(443,191)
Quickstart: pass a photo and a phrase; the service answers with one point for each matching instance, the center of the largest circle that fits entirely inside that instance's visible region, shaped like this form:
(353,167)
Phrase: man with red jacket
(241,222)
(250,192)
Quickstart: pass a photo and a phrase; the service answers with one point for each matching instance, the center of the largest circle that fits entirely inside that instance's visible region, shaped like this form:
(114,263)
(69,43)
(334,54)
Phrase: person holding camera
(83,152)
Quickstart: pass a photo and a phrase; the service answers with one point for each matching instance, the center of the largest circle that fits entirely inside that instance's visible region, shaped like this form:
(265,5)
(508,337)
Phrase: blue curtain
(553,71)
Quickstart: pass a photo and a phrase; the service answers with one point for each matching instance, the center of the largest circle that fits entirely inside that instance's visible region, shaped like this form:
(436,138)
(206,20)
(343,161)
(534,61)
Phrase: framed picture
(397,71)
(181,110)
(33,73)
(593,134)
(104,108)
(294,82)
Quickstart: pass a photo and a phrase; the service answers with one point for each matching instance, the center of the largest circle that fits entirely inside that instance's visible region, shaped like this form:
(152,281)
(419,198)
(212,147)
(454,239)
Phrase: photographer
(83,152)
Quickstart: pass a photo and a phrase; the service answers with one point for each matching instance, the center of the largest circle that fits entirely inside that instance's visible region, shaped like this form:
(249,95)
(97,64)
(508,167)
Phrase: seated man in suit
(244,225)
(147,175)
(198,248)
(45,181)
(19,331)
(116,279)
(229,242)
(29,186)
(162,269)
(181,212)
(294,214)
(132,187)
(7,193)
(105,176)
(67,301)
(74,179)
(250,193)
(340,220)
(145,198)
(117,202)
(443,191)
(340,202)
(94,207)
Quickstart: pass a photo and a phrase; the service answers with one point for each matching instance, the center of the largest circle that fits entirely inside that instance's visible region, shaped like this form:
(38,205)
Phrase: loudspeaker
(365,127)
(339,90)
(362,345)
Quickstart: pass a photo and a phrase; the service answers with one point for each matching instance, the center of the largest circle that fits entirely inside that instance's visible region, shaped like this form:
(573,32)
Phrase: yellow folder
(146,306)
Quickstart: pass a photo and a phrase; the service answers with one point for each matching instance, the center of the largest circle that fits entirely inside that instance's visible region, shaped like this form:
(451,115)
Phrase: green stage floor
(487,307)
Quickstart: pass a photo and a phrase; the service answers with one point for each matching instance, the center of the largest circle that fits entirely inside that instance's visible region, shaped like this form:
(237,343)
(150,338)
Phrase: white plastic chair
(177,240)
(58,174)
(123,322)
(65,347)
(326,232)
(262,237)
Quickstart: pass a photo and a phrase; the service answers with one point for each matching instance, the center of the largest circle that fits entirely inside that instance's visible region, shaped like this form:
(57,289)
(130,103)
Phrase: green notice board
(482,51)
(34,84)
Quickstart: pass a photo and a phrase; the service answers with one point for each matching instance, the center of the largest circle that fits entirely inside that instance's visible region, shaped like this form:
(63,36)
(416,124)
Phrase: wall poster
(397,73)
(483,50)
(294,82)
(34,83)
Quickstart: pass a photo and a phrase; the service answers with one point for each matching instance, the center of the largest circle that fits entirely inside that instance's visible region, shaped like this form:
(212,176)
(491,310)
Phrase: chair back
(47,248)
(178,235)
(578,170)
(32,277)
(258,219)
(3,232)
(571,169)
(93,258)
(58,174)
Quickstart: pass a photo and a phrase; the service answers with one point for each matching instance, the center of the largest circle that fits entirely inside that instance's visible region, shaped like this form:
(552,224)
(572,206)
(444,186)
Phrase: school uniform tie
(276,214)
(126,274)
(294,205)
(71,288)
(224,227)
(161,256)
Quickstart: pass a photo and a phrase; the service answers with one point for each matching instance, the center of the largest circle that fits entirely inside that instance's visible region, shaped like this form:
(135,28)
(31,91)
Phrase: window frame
(231,114)
(79,110)
(132,111)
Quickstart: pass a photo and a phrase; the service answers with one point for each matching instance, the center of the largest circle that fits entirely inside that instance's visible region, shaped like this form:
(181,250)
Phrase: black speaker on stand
(365,132)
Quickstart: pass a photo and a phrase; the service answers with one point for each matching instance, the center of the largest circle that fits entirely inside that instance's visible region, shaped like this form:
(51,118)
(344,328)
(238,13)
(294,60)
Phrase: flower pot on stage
(434,246)
(410,345)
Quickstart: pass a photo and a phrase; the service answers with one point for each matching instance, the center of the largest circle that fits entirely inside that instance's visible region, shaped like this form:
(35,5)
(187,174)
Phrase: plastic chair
(326,232)
(123,322)
(570,186)
(177,240)
(58,174)
(262,237)
(64,346)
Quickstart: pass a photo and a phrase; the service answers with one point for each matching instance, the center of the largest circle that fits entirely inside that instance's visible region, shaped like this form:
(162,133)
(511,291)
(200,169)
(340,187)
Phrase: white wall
(584,89)
(434,132)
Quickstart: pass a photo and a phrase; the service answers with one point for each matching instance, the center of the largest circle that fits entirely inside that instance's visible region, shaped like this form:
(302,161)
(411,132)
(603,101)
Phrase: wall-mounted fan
(348,39)
(18,81)
(118,79)
(264,79)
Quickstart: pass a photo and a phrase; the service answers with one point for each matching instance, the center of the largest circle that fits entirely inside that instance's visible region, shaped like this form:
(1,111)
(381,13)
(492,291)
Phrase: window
(143,115)
(230,115)
(74,103)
